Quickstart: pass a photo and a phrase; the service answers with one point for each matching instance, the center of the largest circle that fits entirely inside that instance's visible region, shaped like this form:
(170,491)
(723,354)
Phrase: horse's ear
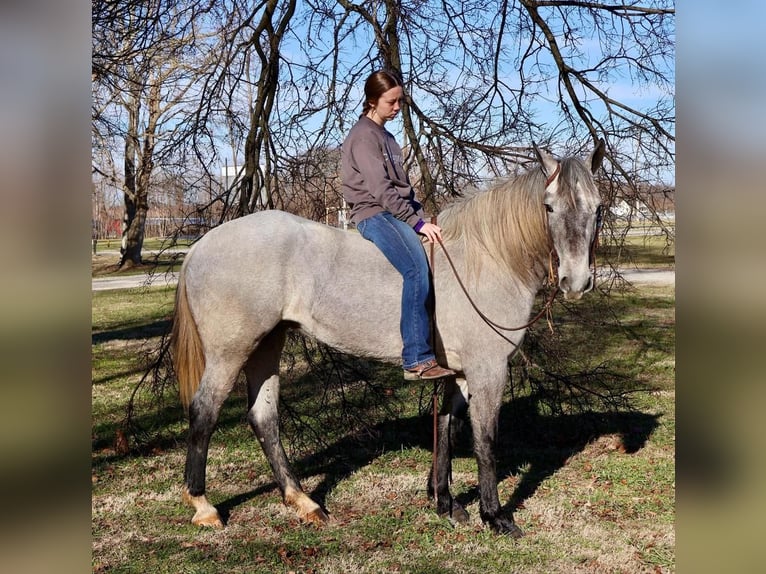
(546,160)
(597,156)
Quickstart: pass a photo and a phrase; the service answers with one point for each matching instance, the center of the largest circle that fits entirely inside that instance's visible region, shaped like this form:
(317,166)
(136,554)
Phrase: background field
(590,481)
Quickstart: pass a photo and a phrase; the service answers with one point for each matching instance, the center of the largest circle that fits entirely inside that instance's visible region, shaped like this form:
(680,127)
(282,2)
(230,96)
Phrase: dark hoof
(456,514)
(506,527)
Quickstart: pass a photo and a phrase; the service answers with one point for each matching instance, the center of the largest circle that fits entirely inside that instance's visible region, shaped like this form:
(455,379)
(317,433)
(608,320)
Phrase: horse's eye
(548,208)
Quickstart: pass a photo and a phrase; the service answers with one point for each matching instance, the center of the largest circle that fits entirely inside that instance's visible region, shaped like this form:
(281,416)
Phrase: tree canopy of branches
(146,63)
(272,87)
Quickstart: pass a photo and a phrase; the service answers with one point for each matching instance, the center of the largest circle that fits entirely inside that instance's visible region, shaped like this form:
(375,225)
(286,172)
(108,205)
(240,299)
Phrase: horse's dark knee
(202,421)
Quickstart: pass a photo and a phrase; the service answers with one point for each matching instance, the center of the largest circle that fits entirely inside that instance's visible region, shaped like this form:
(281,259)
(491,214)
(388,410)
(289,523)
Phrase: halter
(552,176)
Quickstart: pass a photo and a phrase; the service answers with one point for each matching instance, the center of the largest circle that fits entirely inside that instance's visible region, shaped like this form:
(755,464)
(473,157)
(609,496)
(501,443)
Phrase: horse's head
(573,204)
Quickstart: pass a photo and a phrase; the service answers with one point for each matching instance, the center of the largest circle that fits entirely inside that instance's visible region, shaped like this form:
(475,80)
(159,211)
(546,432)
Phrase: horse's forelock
(573,170)
(505,224)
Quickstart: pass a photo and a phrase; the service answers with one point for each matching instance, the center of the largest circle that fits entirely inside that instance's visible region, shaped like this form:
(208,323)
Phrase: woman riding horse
(384,208)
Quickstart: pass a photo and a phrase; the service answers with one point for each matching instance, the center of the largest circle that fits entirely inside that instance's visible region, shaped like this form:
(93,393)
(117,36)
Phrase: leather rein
(552,280)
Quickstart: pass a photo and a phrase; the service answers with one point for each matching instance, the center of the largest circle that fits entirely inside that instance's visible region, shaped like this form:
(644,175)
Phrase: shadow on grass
(540,444)
(546,443)
(133,332)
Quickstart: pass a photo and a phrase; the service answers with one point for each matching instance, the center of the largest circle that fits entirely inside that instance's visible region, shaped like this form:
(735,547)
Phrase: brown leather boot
(426,371)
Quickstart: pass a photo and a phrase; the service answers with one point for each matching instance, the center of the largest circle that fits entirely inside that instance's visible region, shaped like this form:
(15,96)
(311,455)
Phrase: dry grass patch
(593,491)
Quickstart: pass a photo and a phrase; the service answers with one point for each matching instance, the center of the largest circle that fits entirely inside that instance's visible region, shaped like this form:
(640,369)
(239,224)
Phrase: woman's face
(388,105)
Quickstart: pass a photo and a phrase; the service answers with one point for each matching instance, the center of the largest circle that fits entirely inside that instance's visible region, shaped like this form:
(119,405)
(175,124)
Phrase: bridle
(554,175)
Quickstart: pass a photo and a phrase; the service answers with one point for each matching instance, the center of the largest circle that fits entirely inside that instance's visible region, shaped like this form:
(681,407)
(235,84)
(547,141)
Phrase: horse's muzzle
(575,292)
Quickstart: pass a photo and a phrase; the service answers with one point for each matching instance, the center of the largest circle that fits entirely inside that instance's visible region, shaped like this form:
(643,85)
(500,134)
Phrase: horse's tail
(186,346)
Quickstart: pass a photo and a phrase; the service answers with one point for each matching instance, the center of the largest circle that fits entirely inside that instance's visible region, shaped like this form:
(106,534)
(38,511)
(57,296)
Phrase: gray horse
(245,283)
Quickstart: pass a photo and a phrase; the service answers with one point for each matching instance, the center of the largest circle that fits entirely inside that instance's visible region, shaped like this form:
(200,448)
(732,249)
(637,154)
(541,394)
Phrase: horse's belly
(359,327)
(360,343)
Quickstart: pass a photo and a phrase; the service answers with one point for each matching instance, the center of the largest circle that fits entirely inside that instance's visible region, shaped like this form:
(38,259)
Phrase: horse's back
(260,253)
(254,272)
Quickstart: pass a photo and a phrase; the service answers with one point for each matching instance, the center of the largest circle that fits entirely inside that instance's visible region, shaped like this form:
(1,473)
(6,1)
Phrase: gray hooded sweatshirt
(373,178)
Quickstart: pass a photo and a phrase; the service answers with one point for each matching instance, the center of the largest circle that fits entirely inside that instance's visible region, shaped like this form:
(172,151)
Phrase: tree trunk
(137,178)
(133,235)
(128,249)
(266,42)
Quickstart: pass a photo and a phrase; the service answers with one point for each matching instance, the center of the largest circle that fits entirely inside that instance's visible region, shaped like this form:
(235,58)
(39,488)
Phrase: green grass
(640,250)
(594,489)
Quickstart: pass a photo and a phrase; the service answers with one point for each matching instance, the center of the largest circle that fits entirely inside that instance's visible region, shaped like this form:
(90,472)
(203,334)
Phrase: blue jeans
(400,244)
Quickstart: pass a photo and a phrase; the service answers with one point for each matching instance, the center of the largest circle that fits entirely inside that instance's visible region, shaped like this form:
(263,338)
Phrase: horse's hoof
(317,516)
(456,515)
(506,527)
(206,514)
(308,510)
(208,520)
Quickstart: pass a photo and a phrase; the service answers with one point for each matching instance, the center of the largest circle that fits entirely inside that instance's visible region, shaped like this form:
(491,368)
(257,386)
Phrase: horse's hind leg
(262,372)
(453,410)
(215,385)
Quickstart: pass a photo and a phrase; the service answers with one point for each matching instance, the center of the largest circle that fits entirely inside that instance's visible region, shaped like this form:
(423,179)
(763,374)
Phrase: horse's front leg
(486,399)
(453,410)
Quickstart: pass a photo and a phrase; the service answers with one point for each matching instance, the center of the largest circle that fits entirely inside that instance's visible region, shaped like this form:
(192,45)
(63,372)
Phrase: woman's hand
(431,231)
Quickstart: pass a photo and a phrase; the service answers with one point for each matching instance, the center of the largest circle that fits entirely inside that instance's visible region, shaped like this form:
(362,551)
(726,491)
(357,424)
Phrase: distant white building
(230,174)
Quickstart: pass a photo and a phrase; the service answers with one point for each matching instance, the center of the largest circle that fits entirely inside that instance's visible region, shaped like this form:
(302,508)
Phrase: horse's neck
(453,269)
(526,271)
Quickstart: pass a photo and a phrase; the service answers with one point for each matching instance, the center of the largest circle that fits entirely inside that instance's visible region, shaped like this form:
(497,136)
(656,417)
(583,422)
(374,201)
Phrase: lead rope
(496,327)
(435,396)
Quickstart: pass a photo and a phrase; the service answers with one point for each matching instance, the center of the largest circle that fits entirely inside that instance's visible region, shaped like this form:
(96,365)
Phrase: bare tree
(483,80)
(144,66)
(280,86)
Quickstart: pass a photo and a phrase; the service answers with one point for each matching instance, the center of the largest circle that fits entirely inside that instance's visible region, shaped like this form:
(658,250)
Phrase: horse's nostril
(564,284)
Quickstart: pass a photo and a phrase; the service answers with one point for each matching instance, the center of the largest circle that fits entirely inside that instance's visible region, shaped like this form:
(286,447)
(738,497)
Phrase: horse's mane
(506,224)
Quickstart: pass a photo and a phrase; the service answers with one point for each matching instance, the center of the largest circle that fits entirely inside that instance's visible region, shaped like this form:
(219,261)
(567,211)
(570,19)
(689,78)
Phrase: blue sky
(622,88)
(721,75)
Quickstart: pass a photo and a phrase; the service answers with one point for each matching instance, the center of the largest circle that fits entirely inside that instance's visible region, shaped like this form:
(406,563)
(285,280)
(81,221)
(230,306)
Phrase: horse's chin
(573,295)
